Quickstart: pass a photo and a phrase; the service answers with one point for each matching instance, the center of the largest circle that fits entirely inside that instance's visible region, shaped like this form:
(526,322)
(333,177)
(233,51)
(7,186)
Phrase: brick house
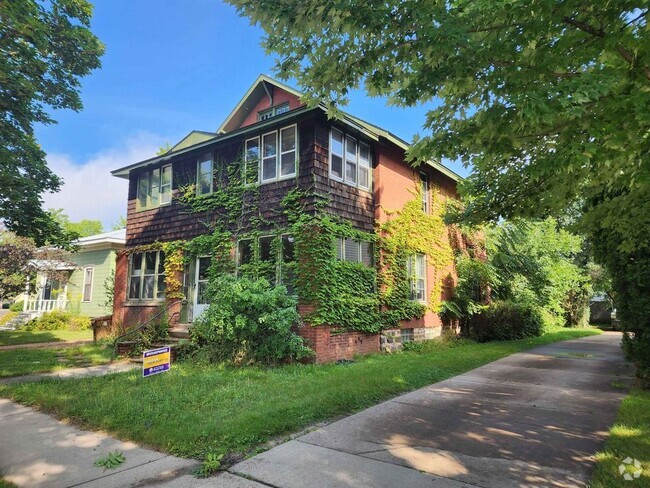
(359,168)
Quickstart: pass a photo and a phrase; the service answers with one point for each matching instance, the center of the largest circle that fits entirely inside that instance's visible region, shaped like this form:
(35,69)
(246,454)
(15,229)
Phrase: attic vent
(272,112)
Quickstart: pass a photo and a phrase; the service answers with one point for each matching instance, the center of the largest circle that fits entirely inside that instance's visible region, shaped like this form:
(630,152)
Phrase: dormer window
(272,112)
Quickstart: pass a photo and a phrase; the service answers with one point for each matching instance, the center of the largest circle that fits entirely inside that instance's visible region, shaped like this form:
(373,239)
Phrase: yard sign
(156,361)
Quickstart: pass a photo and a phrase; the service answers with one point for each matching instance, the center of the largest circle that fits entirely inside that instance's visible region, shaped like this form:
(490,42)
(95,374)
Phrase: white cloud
(89,191)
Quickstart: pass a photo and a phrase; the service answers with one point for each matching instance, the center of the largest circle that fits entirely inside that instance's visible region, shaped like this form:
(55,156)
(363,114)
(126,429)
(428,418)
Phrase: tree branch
(625,54)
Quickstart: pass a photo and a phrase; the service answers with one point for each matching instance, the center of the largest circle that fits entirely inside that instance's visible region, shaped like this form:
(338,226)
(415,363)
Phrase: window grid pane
(288,151)
(350,160)
(336,153)
(269,156)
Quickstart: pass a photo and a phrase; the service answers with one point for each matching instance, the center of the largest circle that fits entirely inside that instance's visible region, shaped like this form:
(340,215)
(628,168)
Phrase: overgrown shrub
(16,306)
(58,320)
(505,320)
(630,274)
(248,321)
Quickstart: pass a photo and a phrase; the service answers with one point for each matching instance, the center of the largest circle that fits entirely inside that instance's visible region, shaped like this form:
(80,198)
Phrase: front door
(200,295)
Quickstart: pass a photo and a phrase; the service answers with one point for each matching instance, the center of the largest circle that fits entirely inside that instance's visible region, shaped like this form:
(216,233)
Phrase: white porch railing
(39,307)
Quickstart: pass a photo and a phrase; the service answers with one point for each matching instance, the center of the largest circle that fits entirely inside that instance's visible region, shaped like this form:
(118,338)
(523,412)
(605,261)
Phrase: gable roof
(249,101)
(191,139)
(231,127)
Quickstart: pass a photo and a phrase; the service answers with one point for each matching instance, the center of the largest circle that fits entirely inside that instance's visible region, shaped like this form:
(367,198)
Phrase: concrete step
(180,331)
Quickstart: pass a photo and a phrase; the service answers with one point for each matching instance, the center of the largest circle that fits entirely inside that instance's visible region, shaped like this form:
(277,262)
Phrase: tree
(15,253)
(45,48)
(119,223)
(82,228)
(548,101)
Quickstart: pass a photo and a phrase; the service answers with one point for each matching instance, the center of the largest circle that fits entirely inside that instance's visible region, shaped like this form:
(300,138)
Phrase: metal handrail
(141,326)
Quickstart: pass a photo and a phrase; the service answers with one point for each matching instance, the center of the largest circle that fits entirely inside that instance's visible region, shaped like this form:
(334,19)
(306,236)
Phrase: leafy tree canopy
(119,223)
(45,48)
(15,253)
(549,101)
(82,228)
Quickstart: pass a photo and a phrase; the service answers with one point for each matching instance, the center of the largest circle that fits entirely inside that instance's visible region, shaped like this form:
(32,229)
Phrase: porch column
(26,294)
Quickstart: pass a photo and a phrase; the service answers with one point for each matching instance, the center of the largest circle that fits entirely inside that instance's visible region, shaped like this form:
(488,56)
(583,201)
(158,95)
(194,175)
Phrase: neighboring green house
(80,285)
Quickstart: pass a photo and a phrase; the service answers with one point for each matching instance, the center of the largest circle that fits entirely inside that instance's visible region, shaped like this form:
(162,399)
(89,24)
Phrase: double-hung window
(155,187)
(87,291)
(417,272)
(424,192)
(204,175)
(350,160)
(252,160)
(279,151)
(275,259)
(147,275)
(353,251)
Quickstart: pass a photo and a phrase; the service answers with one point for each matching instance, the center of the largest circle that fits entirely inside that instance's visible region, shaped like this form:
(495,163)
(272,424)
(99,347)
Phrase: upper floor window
(147,275)
(353,251)
(204,175)
(349,160)
(416,270)
(278,154)
(424,192)
(155,187)
(272,112)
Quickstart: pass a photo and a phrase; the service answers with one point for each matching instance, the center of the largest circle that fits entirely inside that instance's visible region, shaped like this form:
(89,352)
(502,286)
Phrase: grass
(14,337)
(6,484)
(197,409)
(628,437)
(19,362)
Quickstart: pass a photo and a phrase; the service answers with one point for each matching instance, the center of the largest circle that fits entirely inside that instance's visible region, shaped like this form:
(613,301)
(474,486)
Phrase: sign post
(155,361)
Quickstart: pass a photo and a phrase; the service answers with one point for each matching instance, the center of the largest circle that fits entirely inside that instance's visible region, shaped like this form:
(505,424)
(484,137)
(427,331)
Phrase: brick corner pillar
(119,292)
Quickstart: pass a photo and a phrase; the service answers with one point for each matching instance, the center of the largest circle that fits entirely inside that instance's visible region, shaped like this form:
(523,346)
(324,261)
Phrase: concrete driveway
(534,419)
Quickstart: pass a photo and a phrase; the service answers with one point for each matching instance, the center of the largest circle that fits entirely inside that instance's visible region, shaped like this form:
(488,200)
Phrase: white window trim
(171,184)
(426,199)
(342,178)
(278,153)
(83,289)
(149,173)
(259,157)
(130,275)
(332,175)
(413,278)
(294,150)
(273,111)
(359,243)
(200,160)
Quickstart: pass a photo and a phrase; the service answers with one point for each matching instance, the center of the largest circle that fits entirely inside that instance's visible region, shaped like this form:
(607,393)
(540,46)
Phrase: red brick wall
(329,345)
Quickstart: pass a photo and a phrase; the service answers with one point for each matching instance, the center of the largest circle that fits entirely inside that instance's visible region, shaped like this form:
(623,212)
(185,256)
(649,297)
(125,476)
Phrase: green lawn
(13,337)
(195,409)
(19,362)
(628,437)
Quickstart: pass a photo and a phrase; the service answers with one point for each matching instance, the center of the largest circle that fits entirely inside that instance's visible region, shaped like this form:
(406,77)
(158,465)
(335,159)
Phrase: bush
(248,321)
(505,320)
(58,320)
(16,306)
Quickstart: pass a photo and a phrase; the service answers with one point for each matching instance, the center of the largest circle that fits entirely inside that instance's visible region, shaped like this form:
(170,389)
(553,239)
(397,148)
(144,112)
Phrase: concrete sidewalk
(75,373)
(532,419)
(39,451)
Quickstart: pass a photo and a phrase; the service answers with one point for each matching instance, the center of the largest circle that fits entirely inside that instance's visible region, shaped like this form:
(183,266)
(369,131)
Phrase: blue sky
(170,66)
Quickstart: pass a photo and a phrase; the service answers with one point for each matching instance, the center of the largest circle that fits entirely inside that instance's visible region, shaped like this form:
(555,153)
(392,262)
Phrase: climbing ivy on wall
(406,232)
(351,296)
